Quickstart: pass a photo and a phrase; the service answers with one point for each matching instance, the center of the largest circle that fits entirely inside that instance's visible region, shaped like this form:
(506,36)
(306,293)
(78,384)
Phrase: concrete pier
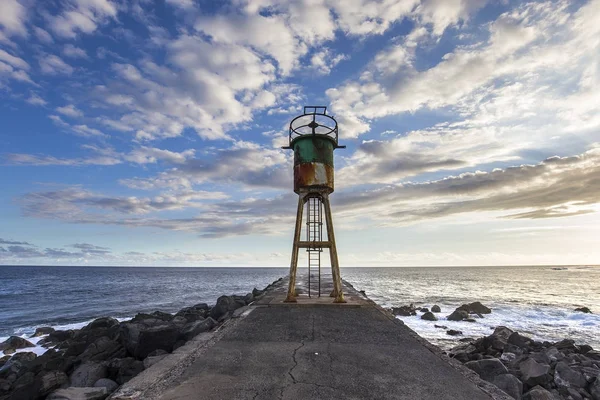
(315,349)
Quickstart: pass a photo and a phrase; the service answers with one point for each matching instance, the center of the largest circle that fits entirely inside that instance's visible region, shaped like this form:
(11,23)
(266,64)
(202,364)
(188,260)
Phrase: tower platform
(313,349)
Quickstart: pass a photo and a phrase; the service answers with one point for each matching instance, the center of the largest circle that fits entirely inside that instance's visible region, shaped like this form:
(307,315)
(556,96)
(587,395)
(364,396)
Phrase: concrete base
(315,349)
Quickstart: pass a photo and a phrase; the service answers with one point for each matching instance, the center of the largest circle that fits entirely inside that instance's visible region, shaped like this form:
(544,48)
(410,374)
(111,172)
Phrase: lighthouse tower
(314,136)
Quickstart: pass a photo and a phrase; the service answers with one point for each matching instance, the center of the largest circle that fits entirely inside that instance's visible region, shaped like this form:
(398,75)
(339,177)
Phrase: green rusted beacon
(314,136)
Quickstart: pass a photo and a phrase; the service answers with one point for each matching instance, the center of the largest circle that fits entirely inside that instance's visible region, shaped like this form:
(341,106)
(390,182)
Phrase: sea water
(536,301)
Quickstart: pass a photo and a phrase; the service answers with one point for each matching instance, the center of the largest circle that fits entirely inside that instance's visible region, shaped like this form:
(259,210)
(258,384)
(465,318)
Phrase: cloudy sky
(149,132)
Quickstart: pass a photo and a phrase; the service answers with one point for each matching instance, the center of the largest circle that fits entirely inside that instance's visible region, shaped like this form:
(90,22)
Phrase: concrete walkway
(319,350)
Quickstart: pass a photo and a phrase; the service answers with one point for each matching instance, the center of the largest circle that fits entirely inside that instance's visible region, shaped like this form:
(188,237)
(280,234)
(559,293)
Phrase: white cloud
(442,14)
(35,100)
(82,16)
(13,60)
(13,16)
(324,60)
(70,111)
(74,52)
(42,35)
(51,64)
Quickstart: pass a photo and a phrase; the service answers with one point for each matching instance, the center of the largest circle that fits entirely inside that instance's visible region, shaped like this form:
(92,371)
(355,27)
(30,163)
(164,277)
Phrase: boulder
(440,326)
(436,308)
(192,313)
(538,393)
(487,369)
(16,366)
(534,373)
(195,328)
(104,322)
(15,343)
(567,377)
(79,393)
(52,360)
(150,361)
(109,384)
(25,387)
(458,315)
(102,349)
(121,370)
(57,337)
(51,380)
(510,384)
(475,308)
(518,340)
(224,305)
(4,386)
(583,310)
(140,340)
(405,311)
(453,332)
(429,316)
(257,293)
(424,310)
(43,330)
(595,389)
(88,373)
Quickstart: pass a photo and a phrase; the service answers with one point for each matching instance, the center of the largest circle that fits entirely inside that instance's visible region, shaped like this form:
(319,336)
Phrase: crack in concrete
(295,362)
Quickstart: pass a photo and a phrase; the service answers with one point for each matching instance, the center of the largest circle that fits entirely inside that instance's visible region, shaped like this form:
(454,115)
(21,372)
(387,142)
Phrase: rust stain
(313,176)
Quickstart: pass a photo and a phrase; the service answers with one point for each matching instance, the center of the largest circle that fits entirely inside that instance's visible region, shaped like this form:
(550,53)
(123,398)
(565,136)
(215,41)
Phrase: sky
(138,132)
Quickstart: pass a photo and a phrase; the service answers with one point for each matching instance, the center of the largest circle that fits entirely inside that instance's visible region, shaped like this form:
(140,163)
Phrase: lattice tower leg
(291,294)
(335,266)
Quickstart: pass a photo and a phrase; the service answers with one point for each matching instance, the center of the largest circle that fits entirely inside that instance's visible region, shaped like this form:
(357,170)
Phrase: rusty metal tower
(313,136)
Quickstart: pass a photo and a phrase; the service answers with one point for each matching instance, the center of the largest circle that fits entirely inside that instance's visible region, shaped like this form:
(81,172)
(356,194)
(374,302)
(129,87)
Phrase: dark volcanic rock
(429,316)
(41,331)
(404,311)
(15,343)
(424,310)
(194,313)
(104,322)
(121,370)
(518,340)
(453,332)
(487,369)
(510,384)
(583,310)
(475,308)
(57,337)
(195,328)
(102,349)
(109,384)
(538,393)
(436,308)
(88,373)
(51,380)
(566,377)
(140,340)
(224,305)
(595,389)
(534,373)
(440,326)
(458,315)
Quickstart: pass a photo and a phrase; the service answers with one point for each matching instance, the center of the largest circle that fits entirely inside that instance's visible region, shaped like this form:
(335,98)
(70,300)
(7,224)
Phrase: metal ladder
(314,232)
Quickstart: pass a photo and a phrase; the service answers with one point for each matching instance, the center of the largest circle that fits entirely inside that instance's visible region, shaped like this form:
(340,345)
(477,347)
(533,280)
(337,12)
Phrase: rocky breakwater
(92,362)
(533,370)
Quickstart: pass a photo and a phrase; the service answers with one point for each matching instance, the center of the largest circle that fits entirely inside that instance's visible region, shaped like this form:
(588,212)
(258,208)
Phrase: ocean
(536,301)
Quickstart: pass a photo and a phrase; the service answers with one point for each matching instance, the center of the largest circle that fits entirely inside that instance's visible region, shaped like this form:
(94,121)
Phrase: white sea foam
(540,323)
